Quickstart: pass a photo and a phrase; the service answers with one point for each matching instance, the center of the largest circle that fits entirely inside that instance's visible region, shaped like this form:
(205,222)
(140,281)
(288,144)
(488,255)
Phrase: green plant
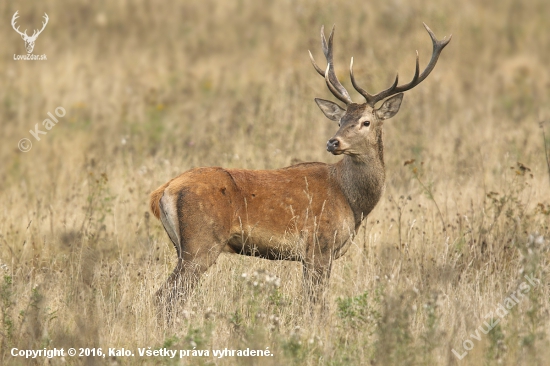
(357,313)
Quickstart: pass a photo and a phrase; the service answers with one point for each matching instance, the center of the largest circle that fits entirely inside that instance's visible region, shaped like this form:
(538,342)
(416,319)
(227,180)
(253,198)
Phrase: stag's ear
(332,110)
(390,107)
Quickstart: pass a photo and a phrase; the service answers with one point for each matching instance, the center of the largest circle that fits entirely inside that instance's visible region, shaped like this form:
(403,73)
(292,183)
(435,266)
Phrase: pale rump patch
(169,219)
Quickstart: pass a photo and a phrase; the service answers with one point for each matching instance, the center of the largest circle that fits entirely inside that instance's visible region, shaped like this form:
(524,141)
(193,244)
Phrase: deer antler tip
(334,85)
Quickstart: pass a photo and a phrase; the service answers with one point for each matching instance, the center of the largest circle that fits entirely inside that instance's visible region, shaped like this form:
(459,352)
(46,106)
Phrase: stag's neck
(362,179)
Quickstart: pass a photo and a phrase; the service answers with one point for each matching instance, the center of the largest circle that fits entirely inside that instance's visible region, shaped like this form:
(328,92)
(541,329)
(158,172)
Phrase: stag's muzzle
(332,145)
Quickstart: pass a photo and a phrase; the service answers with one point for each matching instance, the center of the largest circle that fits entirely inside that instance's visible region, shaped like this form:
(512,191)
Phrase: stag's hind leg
(180,284)
(185,277)
(197,249)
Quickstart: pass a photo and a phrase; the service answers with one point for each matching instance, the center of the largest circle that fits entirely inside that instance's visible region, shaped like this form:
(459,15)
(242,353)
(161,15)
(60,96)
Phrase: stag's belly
(289,233)
(283,213)
(274,249)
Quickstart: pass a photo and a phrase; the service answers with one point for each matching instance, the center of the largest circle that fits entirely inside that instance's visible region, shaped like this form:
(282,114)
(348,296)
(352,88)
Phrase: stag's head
(29,41)
(360,124)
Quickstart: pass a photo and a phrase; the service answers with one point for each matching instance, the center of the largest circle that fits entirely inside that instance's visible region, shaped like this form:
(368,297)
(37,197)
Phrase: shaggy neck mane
(362,179)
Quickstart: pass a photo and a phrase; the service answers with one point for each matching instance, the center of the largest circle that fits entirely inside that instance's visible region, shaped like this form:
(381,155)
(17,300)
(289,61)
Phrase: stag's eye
(366,123)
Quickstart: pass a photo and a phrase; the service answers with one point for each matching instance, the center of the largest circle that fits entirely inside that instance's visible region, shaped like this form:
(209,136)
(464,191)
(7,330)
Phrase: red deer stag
(307,212)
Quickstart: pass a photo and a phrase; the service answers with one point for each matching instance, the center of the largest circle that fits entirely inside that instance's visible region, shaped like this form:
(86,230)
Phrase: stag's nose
(332,145)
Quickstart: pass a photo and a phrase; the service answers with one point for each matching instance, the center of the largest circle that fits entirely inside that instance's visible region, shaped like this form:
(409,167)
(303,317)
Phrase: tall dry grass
(152,89)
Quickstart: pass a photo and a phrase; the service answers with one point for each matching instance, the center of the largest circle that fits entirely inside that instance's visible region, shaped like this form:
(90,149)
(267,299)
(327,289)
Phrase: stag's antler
(417,79)
(35,34)
(13,19)
(332,81)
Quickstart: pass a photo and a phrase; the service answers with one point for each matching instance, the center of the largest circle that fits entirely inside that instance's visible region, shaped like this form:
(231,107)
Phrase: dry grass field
(152,89)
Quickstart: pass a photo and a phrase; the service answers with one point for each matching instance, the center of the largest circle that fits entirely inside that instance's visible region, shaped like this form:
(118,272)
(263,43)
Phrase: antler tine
(371,99)
(343,94)
(317,68)
(13,19)
(325,52)
(333,89)
(334,85)
(324,41)
(43,24)
(361,91)
(417,78)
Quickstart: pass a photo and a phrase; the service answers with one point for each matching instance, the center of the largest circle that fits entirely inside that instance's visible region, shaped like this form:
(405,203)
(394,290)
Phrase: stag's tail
(155,197)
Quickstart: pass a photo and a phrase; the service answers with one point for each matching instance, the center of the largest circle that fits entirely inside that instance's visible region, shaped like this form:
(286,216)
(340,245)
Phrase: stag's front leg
(316,276)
